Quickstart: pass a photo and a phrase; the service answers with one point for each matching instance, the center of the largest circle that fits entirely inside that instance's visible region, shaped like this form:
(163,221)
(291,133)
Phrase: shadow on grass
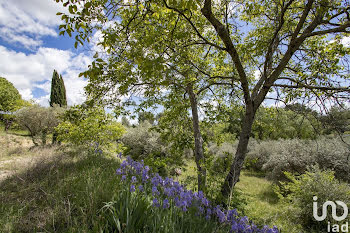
(252,173)
(269,196)
(59,194)
(22,133)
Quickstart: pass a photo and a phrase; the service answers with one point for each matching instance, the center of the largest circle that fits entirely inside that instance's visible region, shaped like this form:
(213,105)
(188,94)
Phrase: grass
(60,193)
(260,203)
(263,205)
(59,189)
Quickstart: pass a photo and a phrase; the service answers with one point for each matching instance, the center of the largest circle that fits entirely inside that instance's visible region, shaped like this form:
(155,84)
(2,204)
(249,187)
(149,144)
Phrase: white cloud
(346,41)
(26,21)
(257,75)
(28,72)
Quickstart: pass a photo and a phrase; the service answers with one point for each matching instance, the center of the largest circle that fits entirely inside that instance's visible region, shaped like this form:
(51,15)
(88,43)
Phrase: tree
(58,91)
(336,120)
(294,46)
(275,123)
(10,101)
(146,116)
(125,121)
(90,127)
(39,121)
(57,96)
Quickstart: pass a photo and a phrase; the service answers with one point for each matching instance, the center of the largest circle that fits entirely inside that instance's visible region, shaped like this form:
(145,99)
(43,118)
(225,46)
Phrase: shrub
(90,127)
(220,156)
(294,155)
(300,190)
(141,142)
(144,143)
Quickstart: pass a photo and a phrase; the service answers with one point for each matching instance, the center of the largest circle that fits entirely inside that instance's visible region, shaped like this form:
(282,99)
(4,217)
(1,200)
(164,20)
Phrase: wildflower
(205,201)
(220,214)
(182,198)
(156,202)
(155,191)
(231,215)
(155,180)
(133,179)
(141,188)
(200,210)
(145,176)
(208,214)
(166,204)
(119,171)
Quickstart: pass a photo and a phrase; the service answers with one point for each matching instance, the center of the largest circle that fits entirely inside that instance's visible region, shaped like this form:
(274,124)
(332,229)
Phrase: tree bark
(54,137)
(235,169)
(8,124)
(198,140)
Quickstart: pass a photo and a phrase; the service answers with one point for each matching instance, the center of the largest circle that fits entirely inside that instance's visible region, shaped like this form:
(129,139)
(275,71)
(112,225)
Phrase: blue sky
(30,49)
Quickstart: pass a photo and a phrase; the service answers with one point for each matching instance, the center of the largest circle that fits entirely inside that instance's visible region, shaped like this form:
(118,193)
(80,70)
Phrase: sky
(30,49)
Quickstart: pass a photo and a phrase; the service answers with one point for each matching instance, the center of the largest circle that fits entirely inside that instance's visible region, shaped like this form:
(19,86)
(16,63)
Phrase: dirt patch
(17,153)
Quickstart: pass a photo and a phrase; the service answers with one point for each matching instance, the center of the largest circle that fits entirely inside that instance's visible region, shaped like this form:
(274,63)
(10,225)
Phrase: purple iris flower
(183,199)
(166,204)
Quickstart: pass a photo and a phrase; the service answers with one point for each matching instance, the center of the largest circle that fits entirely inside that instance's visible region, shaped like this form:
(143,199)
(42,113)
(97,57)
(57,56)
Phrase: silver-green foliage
(294,155)
(141,142)
(39,121)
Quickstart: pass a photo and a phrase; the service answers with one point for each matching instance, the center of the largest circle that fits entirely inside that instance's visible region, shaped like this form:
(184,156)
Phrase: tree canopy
(9,96)
(247,51)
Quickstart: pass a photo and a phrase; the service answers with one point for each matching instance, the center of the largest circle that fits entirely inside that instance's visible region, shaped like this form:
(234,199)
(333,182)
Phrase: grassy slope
(60,192)
(263,205)
(63,191)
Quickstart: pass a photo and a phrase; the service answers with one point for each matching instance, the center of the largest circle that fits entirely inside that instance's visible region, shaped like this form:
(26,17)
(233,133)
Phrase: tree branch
(333,30)
(193,26)
(224,35)
(311,87)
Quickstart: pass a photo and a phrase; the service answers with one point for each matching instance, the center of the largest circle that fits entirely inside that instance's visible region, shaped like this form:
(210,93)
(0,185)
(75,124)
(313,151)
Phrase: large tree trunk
(235,169)
(198,140)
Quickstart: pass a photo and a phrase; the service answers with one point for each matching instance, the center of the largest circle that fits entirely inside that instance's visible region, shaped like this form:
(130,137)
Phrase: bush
(90,127)
(299,193)
(143,143)
(220,156)
(294,155)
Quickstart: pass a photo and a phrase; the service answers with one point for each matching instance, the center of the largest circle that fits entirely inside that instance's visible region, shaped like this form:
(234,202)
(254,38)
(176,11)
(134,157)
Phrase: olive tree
(39,121)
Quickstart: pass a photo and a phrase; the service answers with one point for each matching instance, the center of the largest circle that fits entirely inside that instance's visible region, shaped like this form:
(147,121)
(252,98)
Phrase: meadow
(65,188)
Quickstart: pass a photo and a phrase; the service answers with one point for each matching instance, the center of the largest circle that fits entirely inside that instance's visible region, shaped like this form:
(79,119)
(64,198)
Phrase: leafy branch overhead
(247,51)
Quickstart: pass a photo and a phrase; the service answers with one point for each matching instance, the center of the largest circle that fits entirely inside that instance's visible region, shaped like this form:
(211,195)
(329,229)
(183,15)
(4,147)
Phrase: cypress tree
(58,91)
(58,95)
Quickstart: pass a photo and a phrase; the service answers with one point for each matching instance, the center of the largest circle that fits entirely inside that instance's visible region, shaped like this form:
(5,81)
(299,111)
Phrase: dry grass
(53,189)
(18,153)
